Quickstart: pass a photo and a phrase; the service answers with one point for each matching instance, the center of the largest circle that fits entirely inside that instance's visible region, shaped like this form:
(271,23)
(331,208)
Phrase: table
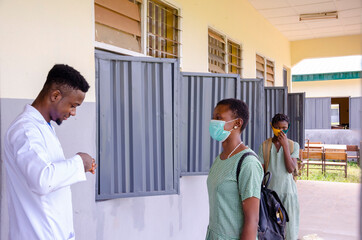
(328,146)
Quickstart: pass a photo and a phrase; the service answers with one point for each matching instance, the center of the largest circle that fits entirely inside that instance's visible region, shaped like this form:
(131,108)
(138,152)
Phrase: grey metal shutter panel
(296,114)
(136,104)
(310,118)
(200,92)
(275,102)
(252,93)
(318,113)
(355,112)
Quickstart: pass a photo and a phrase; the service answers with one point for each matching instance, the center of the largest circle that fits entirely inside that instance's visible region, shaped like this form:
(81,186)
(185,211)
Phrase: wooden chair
(314,148)
(312,157)
(309,145)
(355,150)
(335,158)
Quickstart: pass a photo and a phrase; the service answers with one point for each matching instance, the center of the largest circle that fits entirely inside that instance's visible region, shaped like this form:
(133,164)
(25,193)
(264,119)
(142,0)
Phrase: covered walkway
(328,209)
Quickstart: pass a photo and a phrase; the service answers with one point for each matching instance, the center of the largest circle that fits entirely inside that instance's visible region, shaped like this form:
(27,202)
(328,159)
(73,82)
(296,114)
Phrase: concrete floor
(329,210)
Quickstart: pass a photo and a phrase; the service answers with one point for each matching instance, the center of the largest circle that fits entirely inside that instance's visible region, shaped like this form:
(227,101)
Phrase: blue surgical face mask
(217,130)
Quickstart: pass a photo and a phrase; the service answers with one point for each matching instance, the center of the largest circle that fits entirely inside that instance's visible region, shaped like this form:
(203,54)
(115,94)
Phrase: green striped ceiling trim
(326,76)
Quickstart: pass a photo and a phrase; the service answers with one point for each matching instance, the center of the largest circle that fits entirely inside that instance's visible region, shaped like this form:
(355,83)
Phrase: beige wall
(333,88)
(325,47)
(238,20)
(37,34)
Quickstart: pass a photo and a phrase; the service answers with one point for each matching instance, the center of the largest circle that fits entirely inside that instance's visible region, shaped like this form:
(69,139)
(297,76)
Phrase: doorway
(340,113)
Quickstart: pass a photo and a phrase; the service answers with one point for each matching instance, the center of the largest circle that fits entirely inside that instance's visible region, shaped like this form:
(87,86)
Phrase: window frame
(226,61)
(256,66)
(265,69)
(215,51)
(240,66)
(176,28)
(143,14)
(267,61)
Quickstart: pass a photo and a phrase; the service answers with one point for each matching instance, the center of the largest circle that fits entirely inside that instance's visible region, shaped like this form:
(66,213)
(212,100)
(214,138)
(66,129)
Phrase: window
(118,23)
(270,73)
(234,57)
(200,93)
(260,67)
(334,115)
(340,112)
(265,70)
(136,126)
(220,49)
(162,31)
(216,53)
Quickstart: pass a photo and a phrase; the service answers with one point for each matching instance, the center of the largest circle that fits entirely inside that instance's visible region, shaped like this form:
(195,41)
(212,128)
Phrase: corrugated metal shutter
(252,93)
(318,113)
(275,102)
(200,93)
(136,105)
(296,114)
(355,112)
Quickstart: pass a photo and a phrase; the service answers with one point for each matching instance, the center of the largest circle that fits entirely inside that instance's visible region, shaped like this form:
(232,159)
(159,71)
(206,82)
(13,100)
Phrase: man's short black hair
(279,117)
(239,108)
(65,76)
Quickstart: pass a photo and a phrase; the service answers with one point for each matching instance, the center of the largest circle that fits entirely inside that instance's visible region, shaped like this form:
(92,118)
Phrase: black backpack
(272,214)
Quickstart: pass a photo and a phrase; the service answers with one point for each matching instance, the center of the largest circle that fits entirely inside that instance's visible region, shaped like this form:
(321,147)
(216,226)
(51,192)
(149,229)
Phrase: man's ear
(55,96)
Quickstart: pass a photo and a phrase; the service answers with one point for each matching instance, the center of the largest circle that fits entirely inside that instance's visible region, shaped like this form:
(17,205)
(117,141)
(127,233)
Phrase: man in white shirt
(38,175)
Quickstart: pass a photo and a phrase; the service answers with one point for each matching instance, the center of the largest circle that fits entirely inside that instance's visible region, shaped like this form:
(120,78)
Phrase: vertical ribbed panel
(252,93)
(136,107)
(318,113)
(275,102)
(355,113)
(199,95)
(296,114)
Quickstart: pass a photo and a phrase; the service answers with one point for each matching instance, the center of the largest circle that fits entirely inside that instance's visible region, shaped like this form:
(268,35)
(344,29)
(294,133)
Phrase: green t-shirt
(225,196)
(282,181)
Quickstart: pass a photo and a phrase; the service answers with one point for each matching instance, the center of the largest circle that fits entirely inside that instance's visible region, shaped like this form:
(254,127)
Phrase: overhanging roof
(284,15)
(328,65)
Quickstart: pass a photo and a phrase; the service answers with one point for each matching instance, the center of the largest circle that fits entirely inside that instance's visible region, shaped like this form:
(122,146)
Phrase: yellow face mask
(277,131)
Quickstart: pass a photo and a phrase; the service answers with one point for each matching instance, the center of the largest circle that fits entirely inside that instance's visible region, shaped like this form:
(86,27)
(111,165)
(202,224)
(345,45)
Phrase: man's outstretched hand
(88,162)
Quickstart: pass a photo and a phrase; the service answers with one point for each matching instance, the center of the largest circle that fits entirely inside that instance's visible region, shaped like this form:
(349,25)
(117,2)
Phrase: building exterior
(333,97)
(205,36)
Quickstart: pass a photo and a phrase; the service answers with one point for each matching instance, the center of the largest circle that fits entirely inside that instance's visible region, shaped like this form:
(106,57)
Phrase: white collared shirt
(38,180)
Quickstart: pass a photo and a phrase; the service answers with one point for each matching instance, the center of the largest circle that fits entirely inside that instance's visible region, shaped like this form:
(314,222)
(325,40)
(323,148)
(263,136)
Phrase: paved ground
(329,210)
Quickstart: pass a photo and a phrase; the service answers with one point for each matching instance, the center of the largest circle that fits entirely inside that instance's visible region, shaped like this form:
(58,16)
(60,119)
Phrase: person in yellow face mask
(278,155)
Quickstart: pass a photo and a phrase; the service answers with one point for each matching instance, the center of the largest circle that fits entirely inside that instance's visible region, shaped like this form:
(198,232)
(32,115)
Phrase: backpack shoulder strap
(267,144)
(291,146)
(241,162)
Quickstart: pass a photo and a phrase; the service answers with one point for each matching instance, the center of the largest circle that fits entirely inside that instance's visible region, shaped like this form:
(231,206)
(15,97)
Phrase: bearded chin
(58,121)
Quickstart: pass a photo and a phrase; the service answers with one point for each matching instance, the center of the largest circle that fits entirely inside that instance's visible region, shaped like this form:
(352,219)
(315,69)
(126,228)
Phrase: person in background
(37,173)
(279,156)
(234,203)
